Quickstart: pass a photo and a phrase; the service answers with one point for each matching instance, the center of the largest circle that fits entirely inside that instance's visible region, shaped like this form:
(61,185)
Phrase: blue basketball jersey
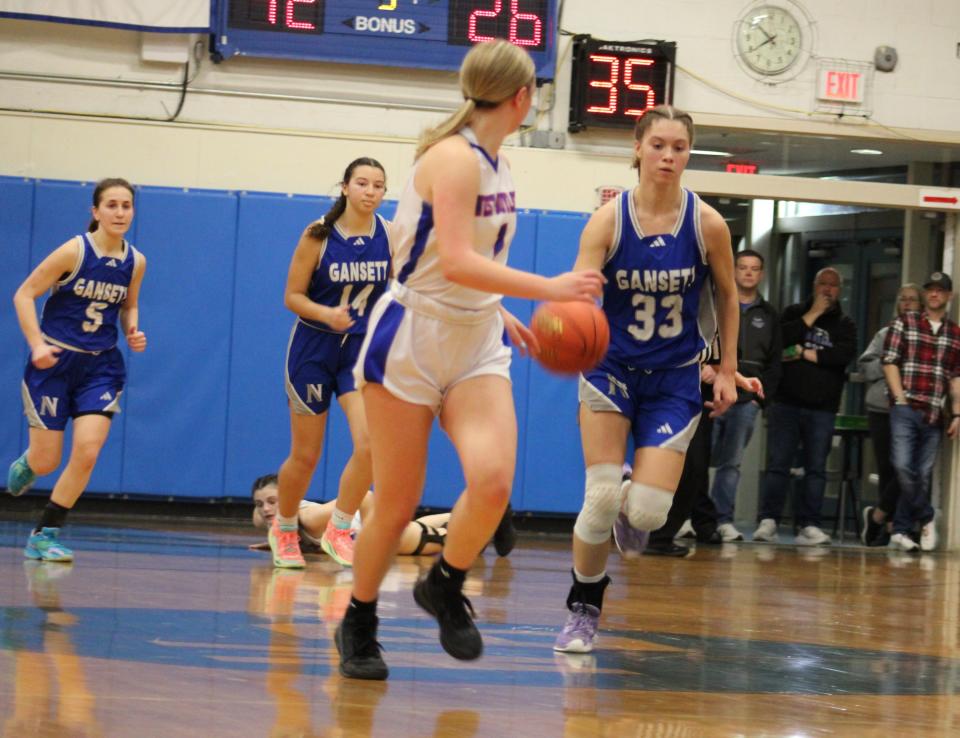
(658,296)
(352,271)
(81,312)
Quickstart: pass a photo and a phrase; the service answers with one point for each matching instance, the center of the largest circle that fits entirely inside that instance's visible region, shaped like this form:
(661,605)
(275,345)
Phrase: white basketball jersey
(416,260)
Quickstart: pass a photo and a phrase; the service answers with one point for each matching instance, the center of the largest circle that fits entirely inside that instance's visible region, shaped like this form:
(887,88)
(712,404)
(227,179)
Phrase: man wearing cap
(921,363)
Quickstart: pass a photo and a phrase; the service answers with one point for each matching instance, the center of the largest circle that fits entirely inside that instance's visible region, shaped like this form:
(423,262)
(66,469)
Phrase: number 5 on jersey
(95,313)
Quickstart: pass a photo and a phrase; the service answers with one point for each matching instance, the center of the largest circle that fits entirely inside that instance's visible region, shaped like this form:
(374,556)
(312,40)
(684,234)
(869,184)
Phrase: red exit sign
(839,85)
(742,167)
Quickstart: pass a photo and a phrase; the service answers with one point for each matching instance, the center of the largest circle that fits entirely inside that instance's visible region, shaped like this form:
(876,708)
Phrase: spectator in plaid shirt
(921,362)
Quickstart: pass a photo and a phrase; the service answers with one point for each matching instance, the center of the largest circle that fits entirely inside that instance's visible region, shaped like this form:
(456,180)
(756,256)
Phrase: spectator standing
(921,361)
(819,342)
(878,519)
(758,356)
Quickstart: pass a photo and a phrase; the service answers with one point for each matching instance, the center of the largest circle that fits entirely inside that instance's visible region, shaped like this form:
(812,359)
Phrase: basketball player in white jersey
(436,347)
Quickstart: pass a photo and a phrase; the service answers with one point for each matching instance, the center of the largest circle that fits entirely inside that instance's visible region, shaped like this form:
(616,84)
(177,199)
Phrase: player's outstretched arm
(597,238)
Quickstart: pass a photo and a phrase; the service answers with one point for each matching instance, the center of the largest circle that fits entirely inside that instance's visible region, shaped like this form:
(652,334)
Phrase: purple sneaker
(630,541)
(580,631)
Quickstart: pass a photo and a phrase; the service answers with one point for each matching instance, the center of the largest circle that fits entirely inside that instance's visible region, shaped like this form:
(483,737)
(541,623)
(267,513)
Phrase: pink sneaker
(338,543)
(285,545)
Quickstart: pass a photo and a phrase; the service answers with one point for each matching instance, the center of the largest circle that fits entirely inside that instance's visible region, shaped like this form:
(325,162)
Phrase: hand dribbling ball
(573,336)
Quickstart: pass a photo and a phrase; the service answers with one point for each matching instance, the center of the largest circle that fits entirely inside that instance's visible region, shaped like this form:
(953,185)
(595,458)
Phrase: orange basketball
(573,336)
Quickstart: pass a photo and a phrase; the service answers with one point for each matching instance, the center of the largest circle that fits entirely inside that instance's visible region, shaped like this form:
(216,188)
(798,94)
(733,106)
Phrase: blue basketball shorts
(662,405)
(78,384)
(319,366)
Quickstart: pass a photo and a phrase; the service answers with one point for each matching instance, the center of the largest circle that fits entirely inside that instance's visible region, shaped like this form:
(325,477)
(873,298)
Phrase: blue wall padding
(258,422)
(16,210)
(177,399)
(205,410)
(553,458)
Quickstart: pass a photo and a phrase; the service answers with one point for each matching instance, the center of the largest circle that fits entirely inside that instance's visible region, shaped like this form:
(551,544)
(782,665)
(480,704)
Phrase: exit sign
(840,85)
(739,167)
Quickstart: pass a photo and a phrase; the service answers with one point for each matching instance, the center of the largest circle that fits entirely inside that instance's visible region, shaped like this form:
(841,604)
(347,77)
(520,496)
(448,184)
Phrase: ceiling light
(710,152)
(867,152)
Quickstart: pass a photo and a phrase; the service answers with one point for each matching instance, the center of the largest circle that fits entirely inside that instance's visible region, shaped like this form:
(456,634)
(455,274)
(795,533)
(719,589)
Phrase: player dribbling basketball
(436,347)
(658,246)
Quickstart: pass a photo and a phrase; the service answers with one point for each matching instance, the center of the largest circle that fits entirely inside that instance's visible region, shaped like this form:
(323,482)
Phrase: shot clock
(615,82)
(431,34)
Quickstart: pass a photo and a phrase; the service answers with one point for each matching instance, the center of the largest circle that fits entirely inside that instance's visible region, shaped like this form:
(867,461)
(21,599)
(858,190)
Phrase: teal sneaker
(20,477)
(45,546)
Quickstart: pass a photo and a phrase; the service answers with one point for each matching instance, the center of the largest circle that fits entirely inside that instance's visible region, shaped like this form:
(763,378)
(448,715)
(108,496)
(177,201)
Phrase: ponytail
(321,229)
(450,126)
(491,74)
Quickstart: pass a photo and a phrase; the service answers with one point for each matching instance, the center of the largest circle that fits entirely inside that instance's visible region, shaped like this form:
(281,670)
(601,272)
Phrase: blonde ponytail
(490,74)
(450,126)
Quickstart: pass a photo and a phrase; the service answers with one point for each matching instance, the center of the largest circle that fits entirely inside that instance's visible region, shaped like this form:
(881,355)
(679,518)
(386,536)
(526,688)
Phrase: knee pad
(601,503)
(647,506)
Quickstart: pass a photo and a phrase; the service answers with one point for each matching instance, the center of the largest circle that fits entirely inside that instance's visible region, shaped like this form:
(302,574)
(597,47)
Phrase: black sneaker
(666,549)
(454,613)
(881,539)
(360,657)
(710,536)
(505,536)
(870,529)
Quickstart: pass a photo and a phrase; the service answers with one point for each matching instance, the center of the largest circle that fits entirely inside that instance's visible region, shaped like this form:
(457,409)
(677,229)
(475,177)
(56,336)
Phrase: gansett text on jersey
(359,271)
(656,280)
(90,289)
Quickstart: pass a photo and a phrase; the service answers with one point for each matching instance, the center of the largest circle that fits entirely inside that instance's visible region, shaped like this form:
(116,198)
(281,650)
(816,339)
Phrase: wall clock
(773,40)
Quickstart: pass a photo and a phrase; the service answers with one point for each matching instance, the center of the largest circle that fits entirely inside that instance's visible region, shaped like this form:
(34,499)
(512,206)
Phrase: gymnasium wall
(205,411)
(320,115)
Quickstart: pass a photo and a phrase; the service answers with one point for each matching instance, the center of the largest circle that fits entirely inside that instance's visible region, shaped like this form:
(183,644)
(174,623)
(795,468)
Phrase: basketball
(573,336)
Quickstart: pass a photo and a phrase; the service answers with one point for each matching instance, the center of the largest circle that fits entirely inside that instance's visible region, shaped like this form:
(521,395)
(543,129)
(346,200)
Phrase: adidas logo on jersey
(112,263)
(359,242)
(665,430)
(106,396)
(658,243)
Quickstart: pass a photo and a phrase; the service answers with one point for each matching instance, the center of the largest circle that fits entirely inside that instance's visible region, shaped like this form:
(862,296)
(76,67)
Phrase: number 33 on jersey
(658,297)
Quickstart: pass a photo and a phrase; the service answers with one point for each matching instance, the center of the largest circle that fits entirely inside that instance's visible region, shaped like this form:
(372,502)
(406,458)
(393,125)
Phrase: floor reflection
(52,695)
(184,632)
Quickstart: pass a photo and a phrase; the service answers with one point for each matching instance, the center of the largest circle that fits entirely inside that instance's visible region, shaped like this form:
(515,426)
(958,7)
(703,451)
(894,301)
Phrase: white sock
(588,580)
(341,520)
(287,523)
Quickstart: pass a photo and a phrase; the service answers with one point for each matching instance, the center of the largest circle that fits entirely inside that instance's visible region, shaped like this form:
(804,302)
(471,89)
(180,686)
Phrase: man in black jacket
(820,341)
(759,348)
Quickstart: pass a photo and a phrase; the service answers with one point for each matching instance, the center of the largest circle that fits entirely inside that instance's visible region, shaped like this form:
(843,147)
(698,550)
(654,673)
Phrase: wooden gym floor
(177,631)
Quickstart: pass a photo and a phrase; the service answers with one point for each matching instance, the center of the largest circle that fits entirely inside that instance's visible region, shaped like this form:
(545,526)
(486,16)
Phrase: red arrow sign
(946,200)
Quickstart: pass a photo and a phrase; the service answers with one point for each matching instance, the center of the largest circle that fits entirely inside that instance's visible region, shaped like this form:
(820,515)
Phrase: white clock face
(769,39)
